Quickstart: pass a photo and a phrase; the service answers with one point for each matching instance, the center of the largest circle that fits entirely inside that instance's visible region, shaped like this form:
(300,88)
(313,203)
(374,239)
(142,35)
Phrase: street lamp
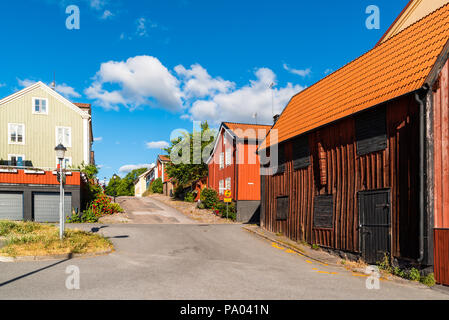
(60,154)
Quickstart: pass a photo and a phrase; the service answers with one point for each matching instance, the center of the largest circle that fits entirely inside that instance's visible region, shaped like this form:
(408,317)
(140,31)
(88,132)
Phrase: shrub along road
(193,261)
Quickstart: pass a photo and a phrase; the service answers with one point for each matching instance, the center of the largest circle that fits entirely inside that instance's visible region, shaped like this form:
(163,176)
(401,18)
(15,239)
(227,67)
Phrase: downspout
(421,102)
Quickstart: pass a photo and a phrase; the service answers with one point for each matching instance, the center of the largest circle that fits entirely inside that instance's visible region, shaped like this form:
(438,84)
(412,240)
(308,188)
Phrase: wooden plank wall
(347,174)
(441,267)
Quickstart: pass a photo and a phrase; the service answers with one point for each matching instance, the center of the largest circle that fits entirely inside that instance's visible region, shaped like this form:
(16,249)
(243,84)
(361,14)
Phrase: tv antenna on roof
(255,116)
(53,84)
(272,98)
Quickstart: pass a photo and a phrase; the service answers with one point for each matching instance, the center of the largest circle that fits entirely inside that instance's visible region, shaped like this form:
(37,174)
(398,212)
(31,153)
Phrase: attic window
(40,106)
(371,131)
(301,153)
(282,208)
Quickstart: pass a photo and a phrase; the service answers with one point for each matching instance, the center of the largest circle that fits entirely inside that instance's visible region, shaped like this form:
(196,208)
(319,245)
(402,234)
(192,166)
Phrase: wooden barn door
(375,223)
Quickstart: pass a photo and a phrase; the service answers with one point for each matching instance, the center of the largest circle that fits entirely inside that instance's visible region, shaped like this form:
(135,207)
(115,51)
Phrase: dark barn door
(375,222)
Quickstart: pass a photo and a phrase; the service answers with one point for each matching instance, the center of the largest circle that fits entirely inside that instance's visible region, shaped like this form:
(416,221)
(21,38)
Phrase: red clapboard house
(363,155)
(161,168)
(234,165)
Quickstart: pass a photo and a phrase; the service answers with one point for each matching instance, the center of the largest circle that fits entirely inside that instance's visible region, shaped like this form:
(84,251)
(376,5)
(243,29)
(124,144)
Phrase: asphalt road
(187,261)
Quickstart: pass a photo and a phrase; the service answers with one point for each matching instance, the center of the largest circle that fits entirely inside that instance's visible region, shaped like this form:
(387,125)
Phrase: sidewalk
(316,255)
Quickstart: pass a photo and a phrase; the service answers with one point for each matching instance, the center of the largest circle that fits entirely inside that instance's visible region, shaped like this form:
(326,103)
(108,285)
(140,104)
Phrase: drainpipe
(421,102)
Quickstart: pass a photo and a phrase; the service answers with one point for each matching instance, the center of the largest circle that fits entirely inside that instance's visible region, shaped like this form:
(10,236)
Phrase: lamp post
(60,154)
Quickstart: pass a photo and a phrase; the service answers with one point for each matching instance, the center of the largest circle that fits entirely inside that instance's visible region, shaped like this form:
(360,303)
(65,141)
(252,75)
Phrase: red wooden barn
(234,165)
(362,156)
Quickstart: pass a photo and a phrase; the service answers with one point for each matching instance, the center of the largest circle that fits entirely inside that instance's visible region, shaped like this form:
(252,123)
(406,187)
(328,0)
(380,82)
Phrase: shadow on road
(34,272)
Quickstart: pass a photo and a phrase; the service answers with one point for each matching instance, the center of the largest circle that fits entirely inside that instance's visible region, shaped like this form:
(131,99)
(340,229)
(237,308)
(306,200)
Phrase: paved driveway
(187,261)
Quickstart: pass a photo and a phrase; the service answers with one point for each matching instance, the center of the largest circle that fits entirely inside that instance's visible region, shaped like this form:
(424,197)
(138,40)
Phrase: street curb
(288,247)
(65,256)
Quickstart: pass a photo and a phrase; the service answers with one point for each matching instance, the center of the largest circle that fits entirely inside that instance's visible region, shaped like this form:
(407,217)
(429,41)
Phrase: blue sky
(150,67)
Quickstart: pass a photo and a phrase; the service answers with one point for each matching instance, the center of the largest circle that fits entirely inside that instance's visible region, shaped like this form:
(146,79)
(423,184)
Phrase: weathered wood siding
(346,174)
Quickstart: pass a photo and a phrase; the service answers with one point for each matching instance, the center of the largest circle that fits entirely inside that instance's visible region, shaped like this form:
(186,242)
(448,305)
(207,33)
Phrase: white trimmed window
(221,160)
(221,188)
(228,157)
(64,136)
(228,184)
(40,106)
(16,133)
(66,163)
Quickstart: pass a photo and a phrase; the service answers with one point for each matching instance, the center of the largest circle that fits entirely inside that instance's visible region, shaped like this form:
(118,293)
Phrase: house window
(16,160)
(221,160)
(282,208)
(64,136)
(323,215)
(228,157)
(371,131)
(16,133)
(221,187)
(40,106)
(228,184)
(301,153)
(66,162)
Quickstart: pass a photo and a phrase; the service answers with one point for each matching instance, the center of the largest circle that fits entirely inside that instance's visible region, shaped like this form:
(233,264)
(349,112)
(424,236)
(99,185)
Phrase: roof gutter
(420,97)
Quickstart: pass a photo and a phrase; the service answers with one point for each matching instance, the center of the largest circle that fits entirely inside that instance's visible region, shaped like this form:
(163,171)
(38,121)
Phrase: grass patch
(34,239)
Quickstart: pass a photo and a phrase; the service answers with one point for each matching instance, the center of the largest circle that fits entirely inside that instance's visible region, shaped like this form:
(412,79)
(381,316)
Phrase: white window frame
(33,105)
(221,187)
(69,145)
(228,157)
(222,160)
(23,133)
(228,186)
(65,158)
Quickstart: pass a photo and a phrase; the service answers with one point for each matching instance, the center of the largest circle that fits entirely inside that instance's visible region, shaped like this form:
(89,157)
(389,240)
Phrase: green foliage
(189,197)
(428,280)
(412,274)
(179,191)
(118,187)
(223,210)
(209,197)
(89,170)
(98,208)
(157,186)
(315,247)
(193,166)
(7,227)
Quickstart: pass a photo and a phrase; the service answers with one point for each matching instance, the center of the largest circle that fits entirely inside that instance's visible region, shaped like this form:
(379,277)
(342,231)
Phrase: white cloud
(241,104)
(143,25)
(2,85)
(67,91)
(198,83)
(141,80)
(26,82)
(327,71)
(299,72)
(157,144)
(64,89)
(130,167)
(98,139)
(106,14)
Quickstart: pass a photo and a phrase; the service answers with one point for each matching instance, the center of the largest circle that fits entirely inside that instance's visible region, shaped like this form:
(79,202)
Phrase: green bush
(157,186)
(428,280)
(116,208)
(414,275)
(87,216)
(209,197)
(189,197)
(230,212)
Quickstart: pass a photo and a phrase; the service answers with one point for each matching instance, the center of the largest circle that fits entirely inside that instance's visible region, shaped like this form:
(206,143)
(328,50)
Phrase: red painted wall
(247,171)
(48,178)
(441,149)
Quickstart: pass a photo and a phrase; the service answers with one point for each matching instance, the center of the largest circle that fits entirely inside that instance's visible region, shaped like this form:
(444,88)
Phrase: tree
(157,186)
(193,166)
(118,187)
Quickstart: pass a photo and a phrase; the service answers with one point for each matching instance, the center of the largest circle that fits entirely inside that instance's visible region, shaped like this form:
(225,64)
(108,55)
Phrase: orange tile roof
(396,67)
(239,128)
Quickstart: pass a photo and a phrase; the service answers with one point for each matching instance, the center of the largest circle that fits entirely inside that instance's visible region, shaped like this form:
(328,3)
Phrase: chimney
(276,118)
